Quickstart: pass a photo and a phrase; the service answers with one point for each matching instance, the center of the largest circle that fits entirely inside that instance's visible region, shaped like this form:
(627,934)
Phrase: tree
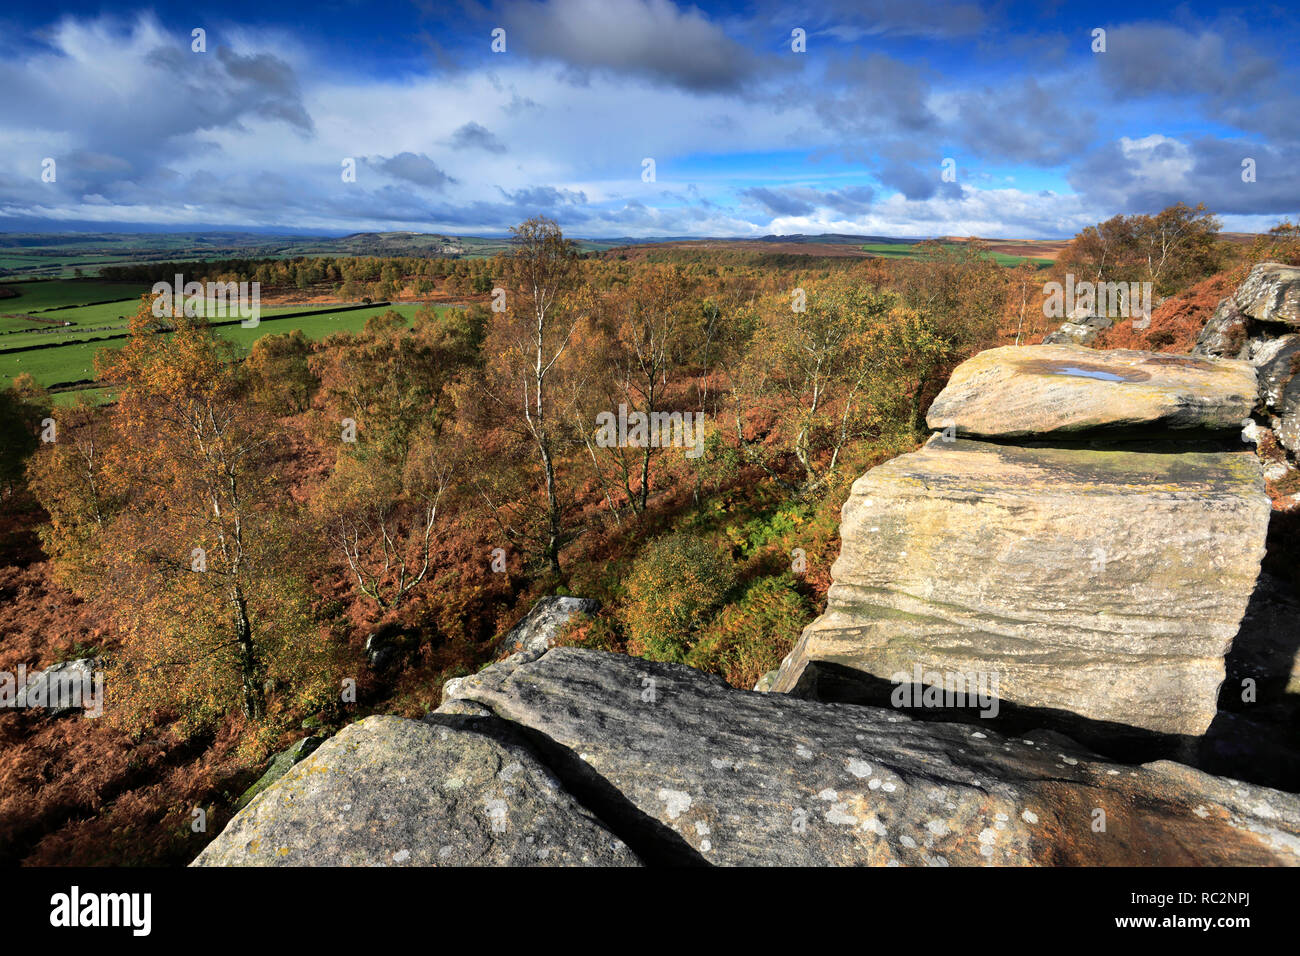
(279,373)
(1179,246)
(526,348)
(196,555)
(23,406)
(811,365)
(81,494)
(379,508)
(957,292)
(1279,244)
(381,515)
(1172,249)
(651,333)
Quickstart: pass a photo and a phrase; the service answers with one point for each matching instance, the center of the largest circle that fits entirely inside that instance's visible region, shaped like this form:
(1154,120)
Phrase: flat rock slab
(393,792)
(1062,391)
(743,778)
(1094,580)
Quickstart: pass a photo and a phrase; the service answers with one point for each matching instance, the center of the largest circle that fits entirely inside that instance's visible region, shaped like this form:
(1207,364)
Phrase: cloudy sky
(748,137)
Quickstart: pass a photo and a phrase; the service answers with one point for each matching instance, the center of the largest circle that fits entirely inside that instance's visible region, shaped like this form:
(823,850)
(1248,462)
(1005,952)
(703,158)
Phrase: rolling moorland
(392,559)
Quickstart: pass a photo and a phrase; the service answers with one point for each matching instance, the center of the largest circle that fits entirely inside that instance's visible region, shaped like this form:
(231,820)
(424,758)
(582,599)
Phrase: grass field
(97,321)
(96,396)
(33,296)
(75,361)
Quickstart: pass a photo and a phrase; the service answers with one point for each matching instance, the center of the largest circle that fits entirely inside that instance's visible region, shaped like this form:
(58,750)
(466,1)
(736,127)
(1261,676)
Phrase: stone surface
(1277,360)
(1288,428)
(1061,390)
(733,777)
(1072,333)
(393,792)
(62,689)
(1100,581)
(1271,293)
(543,623)
(280,765)
(1225,333)
(390,645)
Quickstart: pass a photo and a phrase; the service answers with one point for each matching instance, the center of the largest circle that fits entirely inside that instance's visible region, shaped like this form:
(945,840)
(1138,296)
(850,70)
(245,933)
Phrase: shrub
(749,637)
(673,588)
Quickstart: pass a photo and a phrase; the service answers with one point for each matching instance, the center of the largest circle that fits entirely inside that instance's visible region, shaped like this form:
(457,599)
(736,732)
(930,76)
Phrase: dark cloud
(779,202)
(1146,177)
(1023,122)
(474,136)
(271,83)
(868,93)
(544,197)
(851,201)
(413,168)
(649,38)
(852,20)
(804,201)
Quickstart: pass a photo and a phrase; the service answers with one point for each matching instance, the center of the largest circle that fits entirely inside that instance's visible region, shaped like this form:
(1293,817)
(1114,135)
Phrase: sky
(645,118)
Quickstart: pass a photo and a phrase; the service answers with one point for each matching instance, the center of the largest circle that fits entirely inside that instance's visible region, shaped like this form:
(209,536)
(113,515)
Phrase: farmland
(97,327)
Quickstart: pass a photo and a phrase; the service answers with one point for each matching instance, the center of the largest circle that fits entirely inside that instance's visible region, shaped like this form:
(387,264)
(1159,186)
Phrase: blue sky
(748,137)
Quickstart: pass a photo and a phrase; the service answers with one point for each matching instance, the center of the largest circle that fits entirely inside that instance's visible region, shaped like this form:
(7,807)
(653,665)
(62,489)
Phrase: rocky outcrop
(1066,391)
(1089,578)
(392,792)
(1081,331)
(1271,293)
(1258,324)
(390,646)
(68,687)
(1106,582)
(543,623)
(685,769)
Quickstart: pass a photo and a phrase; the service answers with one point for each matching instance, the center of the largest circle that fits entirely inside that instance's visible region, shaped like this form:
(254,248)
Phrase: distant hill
(33,255)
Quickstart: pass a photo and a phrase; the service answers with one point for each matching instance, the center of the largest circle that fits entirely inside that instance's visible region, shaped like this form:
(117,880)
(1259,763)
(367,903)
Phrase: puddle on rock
(1085,370)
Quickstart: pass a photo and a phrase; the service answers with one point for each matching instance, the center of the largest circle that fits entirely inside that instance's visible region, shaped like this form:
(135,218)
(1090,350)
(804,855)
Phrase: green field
(75,361)
(315,326)
(96,396)
(96,322)
(33,296)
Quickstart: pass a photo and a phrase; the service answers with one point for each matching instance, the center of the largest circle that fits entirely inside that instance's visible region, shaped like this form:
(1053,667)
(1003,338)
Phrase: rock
(1099,581)
(64,688)
(1277,360)
(1288,429)
(542,624)
(766,682)
(737,778)
(1059,391)
(1225,333)
(393,792)
(280,765)
(1271,293)
(390,645)
(1071,333)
